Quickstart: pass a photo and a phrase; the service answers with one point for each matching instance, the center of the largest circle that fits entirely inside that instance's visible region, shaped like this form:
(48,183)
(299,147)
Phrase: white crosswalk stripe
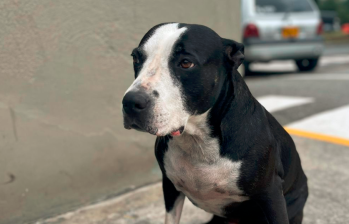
(275,103)
(333,122)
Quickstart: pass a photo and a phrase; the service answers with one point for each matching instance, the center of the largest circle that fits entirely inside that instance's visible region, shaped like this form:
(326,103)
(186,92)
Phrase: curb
(142,206)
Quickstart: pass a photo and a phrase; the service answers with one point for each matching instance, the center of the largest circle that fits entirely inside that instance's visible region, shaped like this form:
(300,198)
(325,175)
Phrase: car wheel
(307,64)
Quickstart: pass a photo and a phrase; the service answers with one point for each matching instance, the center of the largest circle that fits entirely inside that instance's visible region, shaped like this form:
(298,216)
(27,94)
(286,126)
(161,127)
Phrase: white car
(282,30)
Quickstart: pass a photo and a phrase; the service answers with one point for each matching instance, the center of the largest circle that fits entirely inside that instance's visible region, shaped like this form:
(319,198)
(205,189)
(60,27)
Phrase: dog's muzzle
(137,112)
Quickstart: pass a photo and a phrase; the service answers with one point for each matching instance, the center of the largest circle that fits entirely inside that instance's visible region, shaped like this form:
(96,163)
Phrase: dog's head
(179,70)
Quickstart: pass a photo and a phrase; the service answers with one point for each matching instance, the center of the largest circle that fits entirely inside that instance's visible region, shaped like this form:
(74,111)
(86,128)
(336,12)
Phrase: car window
(280,6)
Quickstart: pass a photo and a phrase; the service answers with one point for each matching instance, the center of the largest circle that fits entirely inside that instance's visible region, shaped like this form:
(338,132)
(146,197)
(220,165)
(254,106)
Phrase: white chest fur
(193,164)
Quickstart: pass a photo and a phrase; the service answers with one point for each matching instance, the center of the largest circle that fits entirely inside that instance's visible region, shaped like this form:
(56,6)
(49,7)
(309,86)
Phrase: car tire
(307,64)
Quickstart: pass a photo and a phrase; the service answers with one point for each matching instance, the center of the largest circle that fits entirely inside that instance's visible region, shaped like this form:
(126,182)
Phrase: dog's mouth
(174,132)
(148,129)
(152,129)
(138,127)
(177,132)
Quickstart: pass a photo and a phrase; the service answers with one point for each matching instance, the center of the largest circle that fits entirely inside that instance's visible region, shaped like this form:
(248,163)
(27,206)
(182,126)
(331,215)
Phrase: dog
(216,144)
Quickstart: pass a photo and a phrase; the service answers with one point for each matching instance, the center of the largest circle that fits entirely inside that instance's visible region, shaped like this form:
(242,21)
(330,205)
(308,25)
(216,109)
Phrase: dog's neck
(197,141)
(197,125)
(234,100)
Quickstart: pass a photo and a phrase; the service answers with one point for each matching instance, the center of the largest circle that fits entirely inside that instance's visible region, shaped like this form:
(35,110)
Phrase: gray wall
(64,66)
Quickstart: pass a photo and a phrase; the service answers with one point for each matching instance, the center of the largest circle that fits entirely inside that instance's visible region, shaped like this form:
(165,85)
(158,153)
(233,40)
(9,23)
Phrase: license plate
(290,32)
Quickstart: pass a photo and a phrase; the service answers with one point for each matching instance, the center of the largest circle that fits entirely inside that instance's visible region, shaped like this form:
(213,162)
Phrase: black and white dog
(216,144)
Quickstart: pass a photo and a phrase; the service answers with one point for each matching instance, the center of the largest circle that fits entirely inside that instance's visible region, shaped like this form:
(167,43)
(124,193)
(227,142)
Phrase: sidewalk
(326,165)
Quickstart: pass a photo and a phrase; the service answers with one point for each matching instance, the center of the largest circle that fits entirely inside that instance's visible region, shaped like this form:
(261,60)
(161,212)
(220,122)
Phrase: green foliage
(343,11)
(328,5)
(340,6)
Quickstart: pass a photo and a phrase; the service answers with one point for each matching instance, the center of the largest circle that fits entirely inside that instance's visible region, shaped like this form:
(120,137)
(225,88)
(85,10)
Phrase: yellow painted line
(317,136)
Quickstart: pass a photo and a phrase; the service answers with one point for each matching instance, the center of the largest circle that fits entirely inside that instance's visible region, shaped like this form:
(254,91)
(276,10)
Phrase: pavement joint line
(101,204)
(317,136)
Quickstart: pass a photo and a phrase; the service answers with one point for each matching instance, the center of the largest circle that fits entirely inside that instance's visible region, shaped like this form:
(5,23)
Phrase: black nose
(135,102)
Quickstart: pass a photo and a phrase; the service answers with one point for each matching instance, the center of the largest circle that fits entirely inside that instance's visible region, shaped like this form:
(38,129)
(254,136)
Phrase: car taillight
(320,28)
(251,30)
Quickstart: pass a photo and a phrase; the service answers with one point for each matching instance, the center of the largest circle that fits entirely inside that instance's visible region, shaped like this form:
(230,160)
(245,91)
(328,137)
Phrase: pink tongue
(176,133)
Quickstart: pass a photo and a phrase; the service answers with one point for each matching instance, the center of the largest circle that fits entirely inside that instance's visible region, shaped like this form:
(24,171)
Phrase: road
(314,107)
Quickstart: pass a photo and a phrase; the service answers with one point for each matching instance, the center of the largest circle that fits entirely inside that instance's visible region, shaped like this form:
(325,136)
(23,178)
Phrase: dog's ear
(234,52)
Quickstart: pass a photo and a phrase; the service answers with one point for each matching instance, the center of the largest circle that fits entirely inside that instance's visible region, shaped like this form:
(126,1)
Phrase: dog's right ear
(234,52)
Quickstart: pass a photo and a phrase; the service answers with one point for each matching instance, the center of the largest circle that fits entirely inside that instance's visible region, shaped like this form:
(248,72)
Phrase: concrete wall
(64,66)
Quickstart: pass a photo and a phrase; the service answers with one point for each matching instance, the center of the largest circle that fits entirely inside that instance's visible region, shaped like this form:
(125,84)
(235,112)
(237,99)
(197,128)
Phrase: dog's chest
(195,168)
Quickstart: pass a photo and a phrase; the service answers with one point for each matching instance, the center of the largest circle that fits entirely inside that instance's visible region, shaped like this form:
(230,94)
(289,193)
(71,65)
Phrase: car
(282,30)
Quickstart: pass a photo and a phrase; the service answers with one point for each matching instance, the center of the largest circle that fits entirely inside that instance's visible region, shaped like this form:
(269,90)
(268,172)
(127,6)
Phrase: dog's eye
(186,64)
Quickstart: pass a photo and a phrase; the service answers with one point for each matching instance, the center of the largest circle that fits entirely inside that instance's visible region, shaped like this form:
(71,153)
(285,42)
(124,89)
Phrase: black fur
(271,172)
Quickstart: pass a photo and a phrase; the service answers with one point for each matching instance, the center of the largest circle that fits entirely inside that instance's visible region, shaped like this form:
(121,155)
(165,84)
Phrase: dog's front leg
(273,203)
(174,201)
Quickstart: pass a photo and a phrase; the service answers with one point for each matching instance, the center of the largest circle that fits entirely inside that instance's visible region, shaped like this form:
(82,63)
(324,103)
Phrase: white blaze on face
(169,113)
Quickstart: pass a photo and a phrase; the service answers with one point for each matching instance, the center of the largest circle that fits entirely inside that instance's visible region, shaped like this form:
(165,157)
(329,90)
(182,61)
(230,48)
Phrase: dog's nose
(135,102)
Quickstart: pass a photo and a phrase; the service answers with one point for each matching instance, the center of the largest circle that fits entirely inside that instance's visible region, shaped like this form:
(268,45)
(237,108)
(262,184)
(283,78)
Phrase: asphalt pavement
(335,49)
(313,107)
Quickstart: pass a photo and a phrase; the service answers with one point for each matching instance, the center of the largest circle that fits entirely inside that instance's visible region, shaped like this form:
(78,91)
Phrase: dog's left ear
(234,52)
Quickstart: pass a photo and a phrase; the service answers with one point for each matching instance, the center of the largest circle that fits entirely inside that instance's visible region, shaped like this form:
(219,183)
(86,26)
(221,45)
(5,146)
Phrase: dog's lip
(178,132)
(155,130)
(141,128)
(127,126)
(136,127)
(174,132)
(148,129)
(151,130)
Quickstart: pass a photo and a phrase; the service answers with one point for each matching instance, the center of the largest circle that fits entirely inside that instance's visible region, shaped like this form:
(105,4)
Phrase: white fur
(169,113)
(174,216)
(195,167)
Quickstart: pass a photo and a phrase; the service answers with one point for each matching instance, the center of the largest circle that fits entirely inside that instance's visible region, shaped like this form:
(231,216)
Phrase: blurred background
(64,68)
